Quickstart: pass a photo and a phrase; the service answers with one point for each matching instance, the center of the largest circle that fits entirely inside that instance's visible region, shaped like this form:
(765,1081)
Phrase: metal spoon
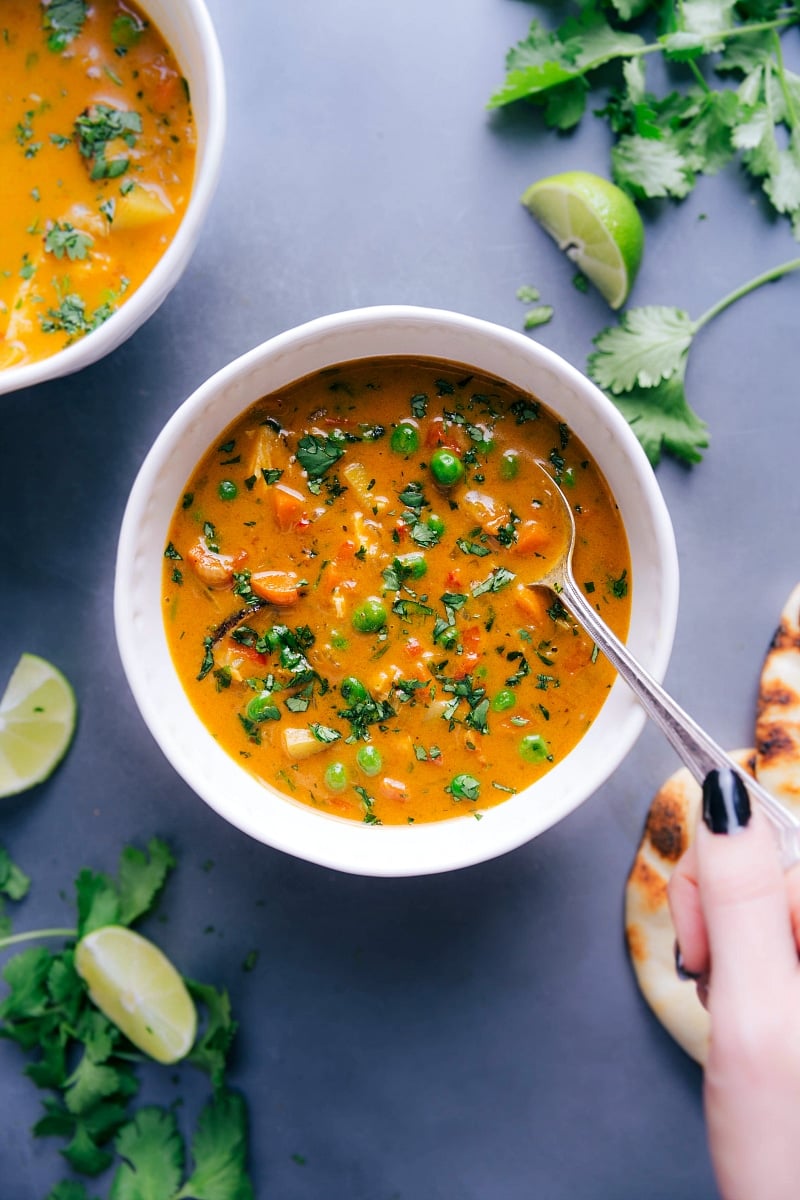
(694,746)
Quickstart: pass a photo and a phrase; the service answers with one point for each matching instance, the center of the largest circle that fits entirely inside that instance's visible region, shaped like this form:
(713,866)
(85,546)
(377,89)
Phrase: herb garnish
(317,454)
(65,239)
(62,20)
(88,1069)
(97,128)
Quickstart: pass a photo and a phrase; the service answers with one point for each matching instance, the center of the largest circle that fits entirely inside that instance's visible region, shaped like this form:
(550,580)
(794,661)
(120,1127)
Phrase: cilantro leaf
(97,129)
(648,345)
(14,883)
(663,421)
(545,60)
(152,1152)
(66,239)
(318,454)
(68,1189)
(63,20)
(211,1047)
(98,901)
(141,879)
(219,1150)
(649,168)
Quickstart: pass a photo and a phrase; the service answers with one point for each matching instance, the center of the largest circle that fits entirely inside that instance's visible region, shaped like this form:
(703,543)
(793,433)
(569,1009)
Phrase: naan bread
(649,931)
(671,823)
(778,711)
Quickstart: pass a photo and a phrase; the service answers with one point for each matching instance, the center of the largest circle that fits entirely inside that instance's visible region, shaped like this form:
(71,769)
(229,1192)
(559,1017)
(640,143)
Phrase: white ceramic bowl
(187,27)
(267,814)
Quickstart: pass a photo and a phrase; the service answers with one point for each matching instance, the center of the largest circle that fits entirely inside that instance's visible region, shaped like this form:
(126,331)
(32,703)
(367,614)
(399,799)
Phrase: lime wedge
(37,721)
(597,225)
(136,986)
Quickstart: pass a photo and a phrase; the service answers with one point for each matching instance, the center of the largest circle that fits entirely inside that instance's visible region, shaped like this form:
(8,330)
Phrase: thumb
(743,896)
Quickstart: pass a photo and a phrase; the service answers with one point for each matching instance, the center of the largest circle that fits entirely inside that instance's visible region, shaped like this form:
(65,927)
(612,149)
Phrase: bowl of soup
(326,596)
(118,115)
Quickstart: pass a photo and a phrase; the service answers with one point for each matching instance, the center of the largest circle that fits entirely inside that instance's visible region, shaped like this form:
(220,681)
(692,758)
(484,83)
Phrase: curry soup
(97,156)
(345,594)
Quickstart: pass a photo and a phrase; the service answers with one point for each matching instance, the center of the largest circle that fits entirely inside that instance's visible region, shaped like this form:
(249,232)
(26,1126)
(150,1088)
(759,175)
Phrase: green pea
(370,616)
(503,700)
(465,787)
(227,490)
(405,438)
(352,690)
(336,777)
(533,748)
(509,465)
(273,638)
(415,563)
(448,637)
(263,708)
(370,760)
(435,524)
(446,467)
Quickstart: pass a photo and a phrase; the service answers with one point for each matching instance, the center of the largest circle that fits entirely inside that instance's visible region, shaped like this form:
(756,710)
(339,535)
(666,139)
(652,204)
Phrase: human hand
(737,918)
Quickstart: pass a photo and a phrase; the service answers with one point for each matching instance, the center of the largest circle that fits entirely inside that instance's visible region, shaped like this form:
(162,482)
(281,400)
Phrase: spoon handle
(696,749)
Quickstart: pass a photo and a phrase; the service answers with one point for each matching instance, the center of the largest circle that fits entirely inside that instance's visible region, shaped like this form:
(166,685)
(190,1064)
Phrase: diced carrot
(533,538)
(471,638)
(247,652)
(167,92)
(287,504)
(465,664)
(533,603)
(393,789)
(440,434)
(280,588)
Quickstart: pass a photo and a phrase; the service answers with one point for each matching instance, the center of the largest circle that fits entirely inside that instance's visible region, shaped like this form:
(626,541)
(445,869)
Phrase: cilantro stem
(14,939)
(767,277)
(788,98)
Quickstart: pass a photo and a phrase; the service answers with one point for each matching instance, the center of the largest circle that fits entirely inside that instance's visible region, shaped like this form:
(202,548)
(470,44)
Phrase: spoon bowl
(695,747)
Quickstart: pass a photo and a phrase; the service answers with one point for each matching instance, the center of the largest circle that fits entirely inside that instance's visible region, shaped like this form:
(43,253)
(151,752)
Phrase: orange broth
(345,599)
(97,153)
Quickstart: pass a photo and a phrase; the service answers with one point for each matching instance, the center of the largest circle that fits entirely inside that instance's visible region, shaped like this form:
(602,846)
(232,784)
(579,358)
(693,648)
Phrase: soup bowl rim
(192,22)
(260,810)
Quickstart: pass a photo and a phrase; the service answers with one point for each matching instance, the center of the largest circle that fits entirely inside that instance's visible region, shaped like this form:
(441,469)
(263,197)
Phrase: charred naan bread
(649,930)
(778,711)
(671,823)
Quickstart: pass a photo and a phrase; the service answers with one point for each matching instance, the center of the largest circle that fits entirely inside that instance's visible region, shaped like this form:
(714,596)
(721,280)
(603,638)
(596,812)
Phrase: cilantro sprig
(87,1068)
(641,364)
(663,143)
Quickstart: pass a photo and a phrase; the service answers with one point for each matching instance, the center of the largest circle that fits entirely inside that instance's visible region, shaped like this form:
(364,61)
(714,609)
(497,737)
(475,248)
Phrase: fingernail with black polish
(726,804)
(680,969)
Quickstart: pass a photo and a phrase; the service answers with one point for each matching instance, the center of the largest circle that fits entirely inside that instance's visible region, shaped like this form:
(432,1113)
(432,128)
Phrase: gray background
(472,1036)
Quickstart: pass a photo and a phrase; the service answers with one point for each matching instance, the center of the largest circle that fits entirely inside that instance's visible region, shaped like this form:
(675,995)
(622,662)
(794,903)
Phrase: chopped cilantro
(100,126)
(317,454)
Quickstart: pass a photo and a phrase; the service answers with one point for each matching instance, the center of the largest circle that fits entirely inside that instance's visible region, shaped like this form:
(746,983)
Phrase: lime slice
(37,721)
(136,986)
(597,225)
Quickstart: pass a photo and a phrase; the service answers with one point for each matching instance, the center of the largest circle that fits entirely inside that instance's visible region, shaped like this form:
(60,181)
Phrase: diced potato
(301,743)
(367,534)
(359,479)
(10,353)
(262,454)
(381,685)
(492,515)
(142,206)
